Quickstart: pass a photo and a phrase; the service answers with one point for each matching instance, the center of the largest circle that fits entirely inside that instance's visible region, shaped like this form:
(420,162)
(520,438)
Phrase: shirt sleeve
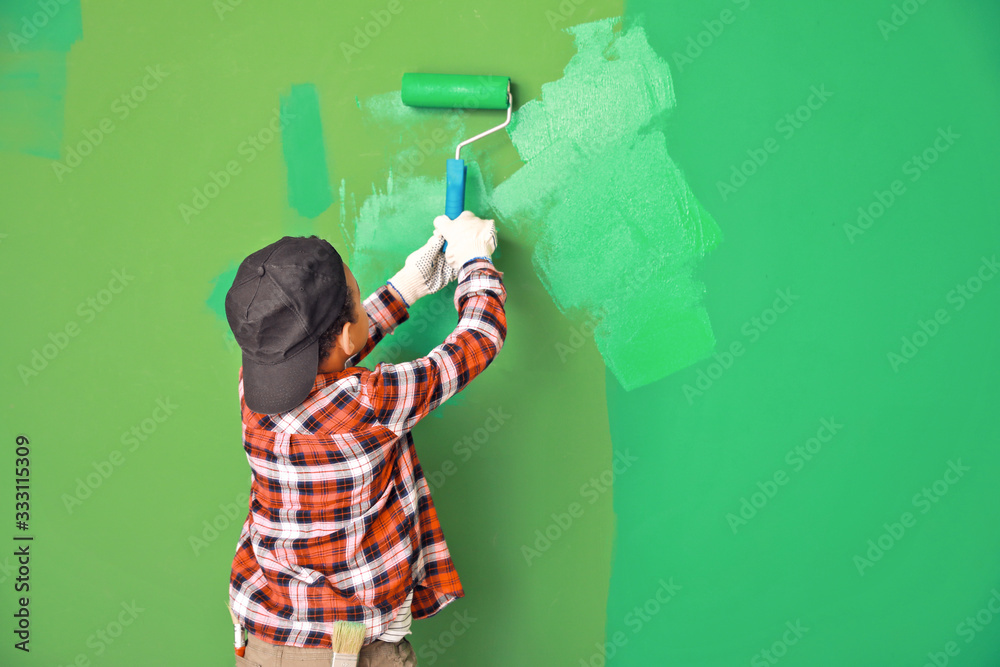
(402,394)
(386,311)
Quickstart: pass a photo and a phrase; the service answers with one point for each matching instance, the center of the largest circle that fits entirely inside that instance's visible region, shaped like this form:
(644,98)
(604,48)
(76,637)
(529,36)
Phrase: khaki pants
(377,654)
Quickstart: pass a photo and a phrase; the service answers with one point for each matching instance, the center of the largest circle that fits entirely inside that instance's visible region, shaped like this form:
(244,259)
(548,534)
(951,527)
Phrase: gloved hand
(424,272)
(467,237)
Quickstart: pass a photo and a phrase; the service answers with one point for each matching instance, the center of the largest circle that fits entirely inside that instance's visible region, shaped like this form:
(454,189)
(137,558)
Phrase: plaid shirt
(341,525)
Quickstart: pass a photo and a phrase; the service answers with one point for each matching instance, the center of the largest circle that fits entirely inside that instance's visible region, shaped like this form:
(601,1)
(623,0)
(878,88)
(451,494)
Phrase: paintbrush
(347,639)
(241,645)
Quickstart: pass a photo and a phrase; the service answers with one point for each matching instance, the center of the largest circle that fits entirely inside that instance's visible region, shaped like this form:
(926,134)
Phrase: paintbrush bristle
(348,637)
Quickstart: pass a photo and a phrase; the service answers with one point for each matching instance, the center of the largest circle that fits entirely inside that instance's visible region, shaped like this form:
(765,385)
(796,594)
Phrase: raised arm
(425,271)
(402,394)
(386,311)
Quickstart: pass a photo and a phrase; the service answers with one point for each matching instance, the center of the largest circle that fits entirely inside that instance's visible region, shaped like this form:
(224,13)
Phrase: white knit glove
(467,237)
(424,272)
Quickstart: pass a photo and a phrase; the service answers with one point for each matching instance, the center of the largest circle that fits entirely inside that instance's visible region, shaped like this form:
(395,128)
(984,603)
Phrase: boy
(341,524)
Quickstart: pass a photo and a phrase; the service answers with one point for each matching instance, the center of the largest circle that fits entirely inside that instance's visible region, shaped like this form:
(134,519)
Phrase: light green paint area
(305,156)
(618,233)
(611,89)
(33,47)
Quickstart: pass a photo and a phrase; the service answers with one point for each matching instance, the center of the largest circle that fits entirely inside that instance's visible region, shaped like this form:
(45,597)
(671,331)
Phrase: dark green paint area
(827,435)
(32,92)
(30,25)
(305,155)
(34,40)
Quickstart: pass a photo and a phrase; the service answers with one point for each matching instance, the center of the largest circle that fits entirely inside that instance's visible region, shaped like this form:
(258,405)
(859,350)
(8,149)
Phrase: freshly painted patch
(305,155)
(34,40)
(617,231)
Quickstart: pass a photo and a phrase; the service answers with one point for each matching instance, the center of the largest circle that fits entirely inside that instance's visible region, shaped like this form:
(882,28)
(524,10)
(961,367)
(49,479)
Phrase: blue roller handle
(454,202)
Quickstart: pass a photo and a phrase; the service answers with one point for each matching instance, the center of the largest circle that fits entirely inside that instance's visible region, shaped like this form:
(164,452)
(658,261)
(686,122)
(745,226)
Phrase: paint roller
(458,91)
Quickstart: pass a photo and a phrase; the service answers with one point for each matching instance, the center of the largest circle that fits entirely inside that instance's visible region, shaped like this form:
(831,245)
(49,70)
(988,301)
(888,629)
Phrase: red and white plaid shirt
(341,525)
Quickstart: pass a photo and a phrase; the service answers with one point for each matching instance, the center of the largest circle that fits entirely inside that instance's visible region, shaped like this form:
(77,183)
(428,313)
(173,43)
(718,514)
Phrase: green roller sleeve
(455,91)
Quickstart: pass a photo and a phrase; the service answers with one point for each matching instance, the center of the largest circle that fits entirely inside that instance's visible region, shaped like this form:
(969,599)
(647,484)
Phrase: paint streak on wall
(305,155)
(618,233)
(33,48)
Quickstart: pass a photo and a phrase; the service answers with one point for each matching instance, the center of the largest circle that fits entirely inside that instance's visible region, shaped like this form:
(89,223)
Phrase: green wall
(816,423)
(760,367)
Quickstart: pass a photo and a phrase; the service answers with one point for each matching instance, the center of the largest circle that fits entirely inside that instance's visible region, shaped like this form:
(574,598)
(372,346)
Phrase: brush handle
(344,660)
(454,202)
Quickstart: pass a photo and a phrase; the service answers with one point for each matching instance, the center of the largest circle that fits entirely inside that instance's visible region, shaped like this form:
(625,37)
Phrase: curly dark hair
(346,316)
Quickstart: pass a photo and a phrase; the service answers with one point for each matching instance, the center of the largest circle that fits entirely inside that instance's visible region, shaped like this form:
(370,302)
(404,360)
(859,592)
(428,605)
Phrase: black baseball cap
(284,297)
